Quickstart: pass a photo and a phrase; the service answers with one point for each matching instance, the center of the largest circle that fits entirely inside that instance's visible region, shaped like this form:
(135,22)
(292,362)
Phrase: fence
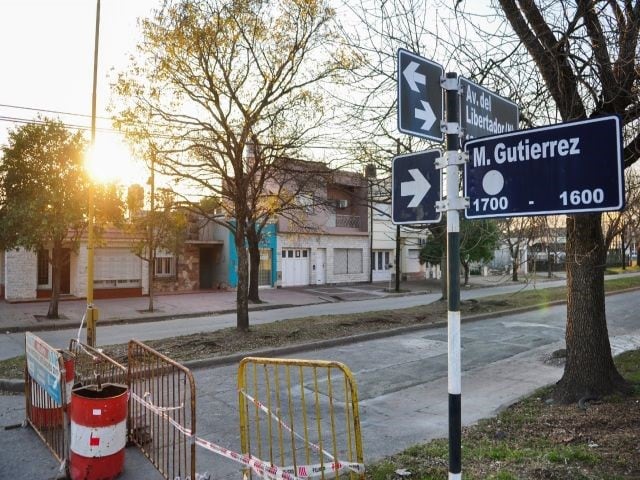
(300,416)
(93,366)
(162,411)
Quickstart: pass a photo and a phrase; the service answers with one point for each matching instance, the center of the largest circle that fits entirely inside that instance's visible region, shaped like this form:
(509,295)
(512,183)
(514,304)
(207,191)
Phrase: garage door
(116,268)
(295,267)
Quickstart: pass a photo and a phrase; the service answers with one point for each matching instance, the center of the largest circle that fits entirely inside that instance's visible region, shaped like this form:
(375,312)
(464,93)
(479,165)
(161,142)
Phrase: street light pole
(92,311)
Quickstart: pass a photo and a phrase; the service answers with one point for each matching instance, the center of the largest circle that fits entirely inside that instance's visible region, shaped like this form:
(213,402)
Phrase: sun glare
(111,161)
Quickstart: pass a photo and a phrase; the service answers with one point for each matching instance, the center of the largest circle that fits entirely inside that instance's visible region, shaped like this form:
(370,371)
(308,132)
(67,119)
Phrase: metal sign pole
(454,202)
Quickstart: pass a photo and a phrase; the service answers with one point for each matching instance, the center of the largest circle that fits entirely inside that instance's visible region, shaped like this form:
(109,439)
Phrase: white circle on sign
(492,182)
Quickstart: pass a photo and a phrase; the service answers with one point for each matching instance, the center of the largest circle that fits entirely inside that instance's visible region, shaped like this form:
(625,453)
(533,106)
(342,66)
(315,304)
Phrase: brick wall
(21,275)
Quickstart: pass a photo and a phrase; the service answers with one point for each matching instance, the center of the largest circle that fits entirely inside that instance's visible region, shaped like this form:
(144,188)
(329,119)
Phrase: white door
(321,269)
(381,259)
(295,267)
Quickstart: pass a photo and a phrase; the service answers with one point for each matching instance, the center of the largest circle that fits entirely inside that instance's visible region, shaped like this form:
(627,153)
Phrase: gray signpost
(421,113)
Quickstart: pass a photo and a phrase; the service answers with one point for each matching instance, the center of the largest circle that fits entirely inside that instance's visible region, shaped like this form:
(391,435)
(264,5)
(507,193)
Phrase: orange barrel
(98,432)
(45,412)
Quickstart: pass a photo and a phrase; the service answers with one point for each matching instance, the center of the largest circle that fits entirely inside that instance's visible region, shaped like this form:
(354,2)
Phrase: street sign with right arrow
(416,188)
(419,96)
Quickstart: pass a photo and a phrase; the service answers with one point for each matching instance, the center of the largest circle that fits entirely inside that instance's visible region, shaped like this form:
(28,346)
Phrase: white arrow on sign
(418,187)
(413,77)
(426,114)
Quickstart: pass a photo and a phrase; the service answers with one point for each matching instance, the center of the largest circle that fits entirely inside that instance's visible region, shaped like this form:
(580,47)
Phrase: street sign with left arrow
(419,96)
(416,188)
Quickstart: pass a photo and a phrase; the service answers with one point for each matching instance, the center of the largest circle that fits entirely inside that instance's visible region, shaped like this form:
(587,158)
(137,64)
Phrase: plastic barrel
(45,413)
(98,432)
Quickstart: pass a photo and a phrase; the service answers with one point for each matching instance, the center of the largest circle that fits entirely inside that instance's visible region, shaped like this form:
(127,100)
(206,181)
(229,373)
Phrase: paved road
(12,344)
(401,381)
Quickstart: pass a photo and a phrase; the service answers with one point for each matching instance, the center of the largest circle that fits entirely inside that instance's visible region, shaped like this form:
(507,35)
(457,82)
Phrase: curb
(176,316)
(154,318)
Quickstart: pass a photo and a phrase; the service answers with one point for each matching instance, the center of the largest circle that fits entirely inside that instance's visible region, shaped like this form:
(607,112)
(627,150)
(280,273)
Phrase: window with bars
(347,260)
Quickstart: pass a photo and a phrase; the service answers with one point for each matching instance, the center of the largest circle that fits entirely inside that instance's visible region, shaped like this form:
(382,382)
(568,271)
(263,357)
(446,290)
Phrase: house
(385,233)
(328,241)
(27,275)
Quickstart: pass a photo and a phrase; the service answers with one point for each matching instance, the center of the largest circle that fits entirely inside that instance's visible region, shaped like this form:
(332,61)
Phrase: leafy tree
(478,241)
(214,78)
(44,194)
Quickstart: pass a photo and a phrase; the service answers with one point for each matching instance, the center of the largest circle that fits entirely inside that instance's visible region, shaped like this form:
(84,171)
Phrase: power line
(20,120)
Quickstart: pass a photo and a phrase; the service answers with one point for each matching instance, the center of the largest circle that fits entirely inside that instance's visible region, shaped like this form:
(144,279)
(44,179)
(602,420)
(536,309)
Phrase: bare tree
(517,234)
(214,77)
(586,53)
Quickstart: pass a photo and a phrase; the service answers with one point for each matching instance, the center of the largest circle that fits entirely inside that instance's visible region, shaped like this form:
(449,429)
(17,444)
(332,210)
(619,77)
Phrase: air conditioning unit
(342,203)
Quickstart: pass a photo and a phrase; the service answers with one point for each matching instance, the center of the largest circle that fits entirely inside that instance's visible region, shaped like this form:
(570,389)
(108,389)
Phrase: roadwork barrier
(46,396)
(92,366)
(162,411)
(300,417)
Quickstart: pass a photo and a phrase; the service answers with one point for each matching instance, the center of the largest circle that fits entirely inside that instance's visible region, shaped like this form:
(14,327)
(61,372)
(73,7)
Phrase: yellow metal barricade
(162,411)
(300,416)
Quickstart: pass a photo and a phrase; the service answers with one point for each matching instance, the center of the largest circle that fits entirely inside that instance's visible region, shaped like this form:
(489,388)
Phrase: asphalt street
(401,381)
(12,344)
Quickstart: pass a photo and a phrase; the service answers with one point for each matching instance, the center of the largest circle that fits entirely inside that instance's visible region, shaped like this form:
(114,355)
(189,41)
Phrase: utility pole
(91,312)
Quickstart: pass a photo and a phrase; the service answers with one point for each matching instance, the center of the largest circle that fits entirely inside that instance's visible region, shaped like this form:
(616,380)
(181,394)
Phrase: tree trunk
(589,370)
(253,242)
(242,298)
(549,264)
(465,266)
(56,271)
(152,264)
(622,251)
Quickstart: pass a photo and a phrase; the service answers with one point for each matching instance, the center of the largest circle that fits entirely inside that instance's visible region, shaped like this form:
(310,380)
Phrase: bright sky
(46,55)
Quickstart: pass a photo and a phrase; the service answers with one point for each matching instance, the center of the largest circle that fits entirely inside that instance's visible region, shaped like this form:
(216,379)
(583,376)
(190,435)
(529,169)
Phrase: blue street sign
(416,188)
(566,168)
(419,96)
(483,112)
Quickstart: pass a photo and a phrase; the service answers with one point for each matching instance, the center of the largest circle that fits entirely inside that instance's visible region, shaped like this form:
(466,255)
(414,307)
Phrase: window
(43,267)
(264,270)
(164,266)
(381,260)
(347,260)
(307,202)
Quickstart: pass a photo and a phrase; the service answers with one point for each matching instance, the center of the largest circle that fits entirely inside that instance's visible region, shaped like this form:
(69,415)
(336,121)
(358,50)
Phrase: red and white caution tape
(317,470)
(308,470)
(266,471)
